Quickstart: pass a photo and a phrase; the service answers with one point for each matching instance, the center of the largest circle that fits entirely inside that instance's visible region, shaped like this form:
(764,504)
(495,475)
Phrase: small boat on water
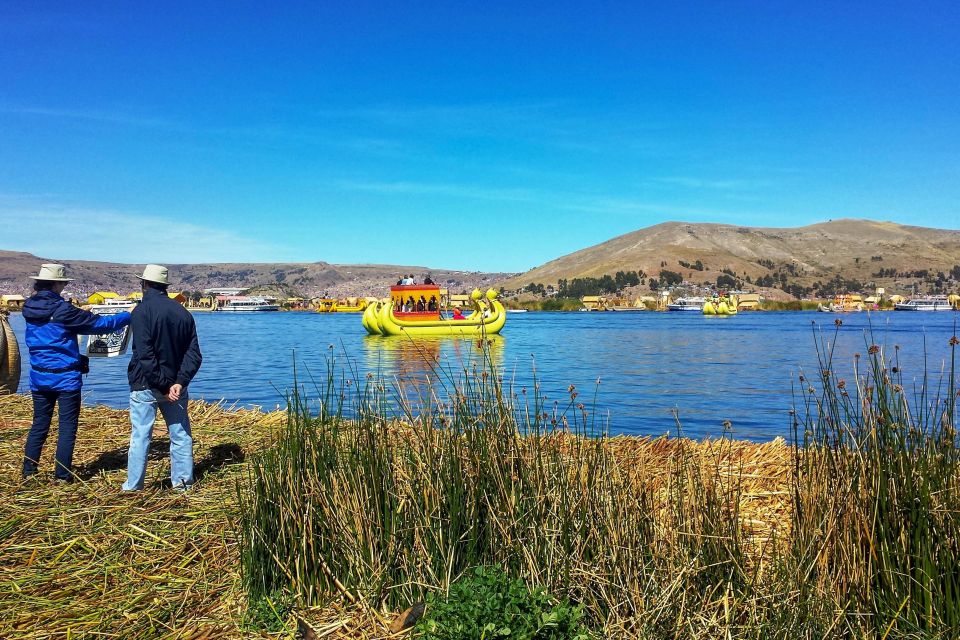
(248,305)
(929,303)
(845,303)
(343,305)
(418,310)
(687,304)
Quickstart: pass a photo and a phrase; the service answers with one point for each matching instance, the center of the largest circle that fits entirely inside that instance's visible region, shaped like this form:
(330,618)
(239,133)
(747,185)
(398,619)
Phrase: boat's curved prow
(370,318)
(9,357)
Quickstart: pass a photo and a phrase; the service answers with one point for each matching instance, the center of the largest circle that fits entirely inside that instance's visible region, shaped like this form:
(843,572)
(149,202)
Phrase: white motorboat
(249,305)
(930,303)
(687,304)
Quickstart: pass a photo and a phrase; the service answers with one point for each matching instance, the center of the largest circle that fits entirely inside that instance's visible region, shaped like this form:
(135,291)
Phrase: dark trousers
(43,403)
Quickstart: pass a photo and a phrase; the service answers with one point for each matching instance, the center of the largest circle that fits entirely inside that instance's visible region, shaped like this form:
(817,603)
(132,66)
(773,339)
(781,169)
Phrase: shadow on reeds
(413,490)
(116,459)
(217,458)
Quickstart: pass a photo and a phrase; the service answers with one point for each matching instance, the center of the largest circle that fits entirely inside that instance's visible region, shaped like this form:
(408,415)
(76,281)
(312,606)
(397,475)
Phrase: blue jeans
(43,403)
(143,413)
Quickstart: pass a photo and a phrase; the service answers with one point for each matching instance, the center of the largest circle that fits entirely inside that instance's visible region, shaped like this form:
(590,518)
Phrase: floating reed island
(329,519)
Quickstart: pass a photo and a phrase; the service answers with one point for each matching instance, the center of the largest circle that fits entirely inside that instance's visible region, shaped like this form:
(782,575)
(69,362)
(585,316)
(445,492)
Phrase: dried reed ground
(89,560)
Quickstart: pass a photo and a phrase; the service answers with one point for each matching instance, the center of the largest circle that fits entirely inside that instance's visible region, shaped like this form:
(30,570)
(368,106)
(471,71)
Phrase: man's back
(165,346)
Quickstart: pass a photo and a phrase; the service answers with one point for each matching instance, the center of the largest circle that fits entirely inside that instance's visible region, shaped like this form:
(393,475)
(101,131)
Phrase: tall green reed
(381,492)
(382,495)
(877,500)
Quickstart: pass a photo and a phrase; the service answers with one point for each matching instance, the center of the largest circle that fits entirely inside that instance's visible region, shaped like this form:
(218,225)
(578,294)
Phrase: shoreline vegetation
(370,497)
(575,304)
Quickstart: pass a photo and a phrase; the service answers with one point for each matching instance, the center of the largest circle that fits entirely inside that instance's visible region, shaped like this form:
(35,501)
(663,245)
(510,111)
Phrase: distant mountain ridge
(864,250)
(308,279)
(774,261)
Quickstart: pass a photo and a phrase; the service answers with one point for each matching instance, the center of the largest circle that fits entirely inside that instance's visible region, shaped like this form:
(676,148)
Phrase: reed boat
(343,305)
(419,310)
(844,303)
(10,363)
(720,306)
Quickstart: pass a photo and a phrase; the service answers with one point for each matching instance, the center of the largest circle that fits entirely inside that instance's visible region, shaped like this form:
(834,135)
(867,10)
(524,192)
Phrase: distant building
(224,291)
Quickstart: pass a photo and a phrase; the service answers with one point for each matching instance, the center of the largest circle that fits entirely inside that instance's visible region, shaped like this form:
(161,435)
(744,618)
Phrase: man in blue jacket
(55,368)
(166,357)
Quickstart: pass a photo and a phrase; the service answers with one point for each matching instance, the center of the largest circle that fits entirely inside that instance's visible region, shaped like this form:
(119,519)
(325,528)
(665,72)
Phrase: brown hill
(306,279)
(872,253)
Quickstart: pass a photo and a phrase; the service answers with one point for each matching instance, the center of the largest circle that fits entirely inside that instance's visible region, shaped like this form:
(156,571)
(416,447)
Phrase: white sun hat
(155,273)
(52,273)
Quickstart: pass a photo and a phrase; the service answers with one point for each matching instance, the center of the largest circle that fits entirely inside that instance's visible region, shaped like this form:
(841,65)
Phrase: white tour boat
(249,305)
(930,303)
(687,304)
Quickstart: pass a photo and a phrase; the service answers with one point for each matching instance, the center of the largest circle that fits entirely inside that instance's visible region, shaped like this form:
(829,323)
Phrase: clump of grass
(877,498)
(384,496)
(383,506)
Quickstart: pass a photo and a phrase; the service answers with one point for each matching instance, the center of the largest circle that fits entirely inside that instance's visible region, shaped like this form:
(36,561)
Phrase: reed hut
(594,303)
(748,302)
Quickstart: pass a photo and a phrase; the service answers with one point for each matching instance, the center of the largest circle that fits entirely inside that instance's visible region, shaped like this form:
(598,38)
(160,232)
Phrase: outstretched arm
(83,322)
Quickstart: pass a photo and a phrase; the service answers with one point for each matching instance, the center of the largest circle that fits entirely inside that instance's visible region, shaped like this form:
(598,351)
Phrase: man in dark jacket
(166,357)
(55,374)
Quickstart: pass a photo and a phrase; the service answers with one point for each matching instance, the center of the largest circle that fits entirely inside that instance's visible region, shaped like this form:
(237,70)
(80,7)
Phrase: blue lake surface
(708,369)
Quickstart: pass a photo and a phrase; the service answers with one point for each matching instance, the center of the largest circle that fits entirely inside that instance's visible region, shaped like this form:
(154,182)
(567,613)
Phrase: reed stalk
(877,500)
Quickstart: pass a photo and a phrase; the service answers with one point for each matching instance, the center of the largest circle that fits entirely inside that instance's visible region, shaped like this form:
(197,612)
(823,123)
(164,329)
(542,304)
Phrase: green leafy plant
(486,603)
(268,612)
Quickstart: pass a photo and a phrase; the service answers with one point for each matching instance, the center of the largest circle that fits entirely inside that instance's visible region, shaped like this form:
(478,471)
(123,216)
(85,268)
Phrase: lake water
(709,369)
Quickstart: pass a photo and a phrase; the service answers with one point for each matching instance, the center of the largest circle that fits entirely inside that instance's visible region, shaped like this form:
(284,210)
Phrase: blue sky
(481,136)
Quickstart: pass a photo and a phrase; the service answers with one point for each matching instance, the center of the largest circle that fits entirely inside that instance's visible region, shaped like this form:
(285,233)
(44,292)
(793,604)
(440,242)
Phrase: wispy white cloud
(455,190)
(642,208)
(442,114)
(256,135)
(95,115)
(72,233)
(694,182)
(600,204)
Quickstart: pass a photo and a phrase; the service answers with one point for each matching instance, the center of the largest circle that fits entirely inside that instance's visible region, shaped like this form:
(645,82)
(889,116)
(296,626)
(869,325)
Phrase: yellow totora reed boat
(720,306)
(415,310)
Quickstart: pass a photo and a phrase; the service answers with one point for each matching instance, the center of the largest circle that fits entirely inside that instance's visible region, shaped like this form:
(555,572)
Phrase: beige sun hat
(155,273)
(52,273)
